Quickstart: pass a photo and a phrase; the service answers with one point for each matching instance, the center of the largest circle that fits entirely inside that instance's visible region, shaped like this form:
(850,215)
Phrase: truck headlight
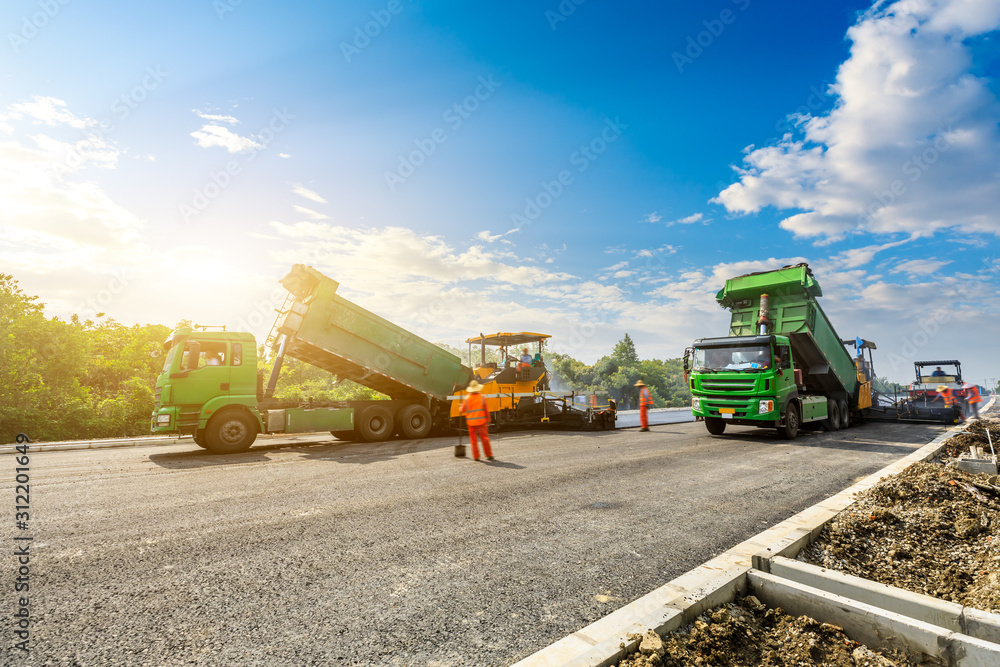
(764,407)
(163,420)
(696,404)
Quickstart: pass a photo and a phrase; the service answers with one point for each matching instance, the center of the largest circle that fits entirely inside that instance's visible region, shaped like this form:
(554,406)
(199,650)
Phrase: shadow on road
(339,451)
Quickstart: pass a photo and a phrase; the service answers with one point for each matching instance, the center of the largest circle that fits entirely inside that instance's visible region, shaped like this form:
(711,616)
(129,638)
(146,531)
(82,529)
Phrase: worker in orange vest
(477,416)
(973,399)
(645,403)
(948,397)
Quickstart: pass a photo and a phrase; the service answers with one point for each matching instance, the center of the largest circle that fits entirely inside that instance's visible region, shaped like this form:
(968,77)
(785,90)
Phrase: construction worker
(948,397)
(973,399)
(525,360)
(938,373)
(645,402)
(477,416)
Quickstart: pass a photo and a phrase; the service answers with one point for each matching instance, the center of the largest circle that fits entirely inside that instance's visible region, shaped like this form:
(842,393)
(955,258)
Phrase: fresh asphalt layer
(306,552)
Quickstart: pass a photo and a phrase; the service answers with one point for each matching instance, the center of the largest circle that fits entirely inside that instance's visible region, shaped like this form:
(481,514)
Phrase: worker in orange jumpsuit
(477,416)
(973,399)
(645,403)
(948,397)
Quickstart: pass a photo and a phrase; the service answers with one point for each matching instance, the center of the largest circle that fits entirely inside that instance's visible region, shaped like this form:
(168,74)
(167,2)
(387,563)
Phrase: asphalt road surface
(399,553)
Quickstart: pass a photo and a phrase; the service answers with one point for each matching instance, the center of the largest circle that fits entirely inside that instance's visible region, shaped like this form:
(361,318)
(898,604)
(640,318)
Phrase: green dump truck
(782,365)
(210,386)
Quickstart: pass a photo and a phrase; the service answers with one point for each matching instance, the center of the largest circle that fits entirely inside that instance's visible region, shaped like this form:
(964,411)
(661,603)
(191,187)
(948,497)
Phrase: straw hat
(640,383)
(941,387)
(474,387)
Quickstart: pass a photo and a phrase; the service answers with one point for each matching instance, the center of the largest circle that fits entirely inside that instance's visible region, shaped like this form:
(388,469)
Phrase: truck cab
(748,381)
(208,378)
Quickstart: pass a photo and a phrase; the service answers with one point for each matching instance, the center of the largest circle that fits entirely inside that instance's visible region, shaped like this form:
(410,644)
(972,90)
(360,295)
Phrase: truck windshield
(737,358)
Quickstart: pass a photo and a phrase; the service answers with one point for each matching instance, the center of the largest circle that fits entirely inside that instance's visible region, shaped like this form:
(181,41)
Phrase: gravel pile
(932,529)
(746,633)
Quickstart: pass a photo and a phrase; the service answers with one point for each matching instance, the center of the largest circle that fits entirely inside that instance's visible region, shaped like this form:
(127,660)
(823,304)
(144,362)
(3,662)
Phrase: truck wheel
(375,423)
(349,436)
(230,432)
(414,421)
(791,427)
(199,439)
(715,425)
(832,421)
(845,414)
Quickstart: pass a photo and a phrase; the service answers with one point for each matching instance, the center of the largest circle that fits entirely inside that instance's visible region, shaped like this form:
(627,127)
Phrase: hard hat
(474,387)
(640,383)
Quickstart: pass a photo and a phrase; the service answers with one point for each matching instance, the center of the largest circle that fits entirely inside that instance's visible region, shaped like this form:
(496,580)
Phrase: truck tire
(414,421)
(832,421)
(375,423)
(791,427)
(199,439)
(348,436)
(230,432)
(845,414)
(715,425)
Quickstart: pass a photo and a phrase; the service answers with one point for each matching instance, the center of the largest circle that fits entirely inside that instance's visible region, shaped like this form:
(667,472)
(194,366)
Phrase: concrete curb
(605,641)
(873,626)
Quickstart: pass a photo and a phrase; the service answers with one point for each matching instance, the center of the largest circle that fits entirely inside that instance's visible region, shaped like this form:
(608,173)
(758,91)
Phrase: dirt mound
(932,529)
(746,633)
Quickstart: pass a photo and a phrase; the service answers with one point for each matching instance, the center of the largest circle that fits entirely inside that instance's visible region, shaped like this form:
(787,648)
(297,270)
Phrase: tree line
(94,378)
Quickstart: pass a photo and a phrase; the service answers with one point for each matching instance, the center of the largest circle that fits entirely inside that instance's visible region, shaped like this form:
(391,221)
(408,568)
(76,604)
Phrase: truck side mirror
(194,352)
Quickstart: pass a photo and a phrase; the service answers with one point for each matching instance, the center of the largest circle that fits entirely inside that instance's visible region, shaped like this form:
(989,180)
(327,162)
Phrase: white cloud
(920,267)
(487,237)
(216,117)
(309,213)
(911,144)
(303,191)
(284,155)
(217,135)
(49,111)
(653,217)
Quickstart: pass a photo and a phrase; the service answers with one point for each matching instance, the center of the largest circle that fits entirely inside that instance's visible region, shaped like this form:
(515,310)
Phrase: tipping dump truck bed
(795,312)
(326,330)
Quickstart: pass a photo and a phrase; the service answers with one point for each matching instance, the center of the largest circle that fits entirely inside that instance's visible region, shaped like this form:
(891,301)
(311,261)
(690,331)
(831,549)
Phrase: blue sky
(579,168)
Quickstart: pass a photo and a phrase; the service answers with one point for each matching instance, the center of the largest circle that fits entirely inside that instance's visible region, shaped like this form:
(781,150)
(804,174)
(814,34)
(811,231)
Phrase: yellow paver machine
(511,368)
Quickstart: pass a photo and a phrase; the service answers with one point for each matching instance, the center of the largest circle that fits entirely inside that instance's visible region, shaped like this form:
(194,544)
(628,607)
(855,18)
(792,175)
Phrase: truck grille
(729,384)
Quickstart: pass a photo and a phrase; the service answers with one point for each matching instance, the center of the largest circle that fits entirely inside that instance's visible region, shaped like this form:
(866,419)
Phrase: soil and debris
(932,529)
(746,633)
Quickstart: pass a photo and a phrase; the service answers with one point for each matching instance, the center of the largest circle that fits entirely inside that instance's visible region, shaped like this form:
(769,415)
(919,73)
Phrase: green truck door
(211,378)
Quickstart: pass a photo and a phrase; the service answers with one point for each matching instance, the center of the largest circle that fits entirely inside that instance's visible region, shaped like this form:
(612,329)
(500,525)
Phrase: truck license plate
(727,411)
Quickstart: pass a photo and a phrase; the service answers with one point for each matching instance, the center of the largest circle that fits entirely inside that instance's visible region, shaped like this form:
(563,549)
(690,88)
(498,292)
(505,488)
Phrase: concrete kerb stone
(604,642)
(875,627)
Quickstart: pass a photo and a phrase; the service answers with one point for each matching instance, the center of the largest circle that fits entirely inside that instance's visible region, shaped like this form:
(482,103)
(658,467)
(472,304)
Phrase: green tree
(624,353)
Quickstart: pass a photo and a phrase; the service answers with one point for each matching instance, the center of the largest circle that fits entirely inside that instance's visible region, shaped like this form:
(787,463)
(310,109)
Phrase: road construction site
(307,549)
